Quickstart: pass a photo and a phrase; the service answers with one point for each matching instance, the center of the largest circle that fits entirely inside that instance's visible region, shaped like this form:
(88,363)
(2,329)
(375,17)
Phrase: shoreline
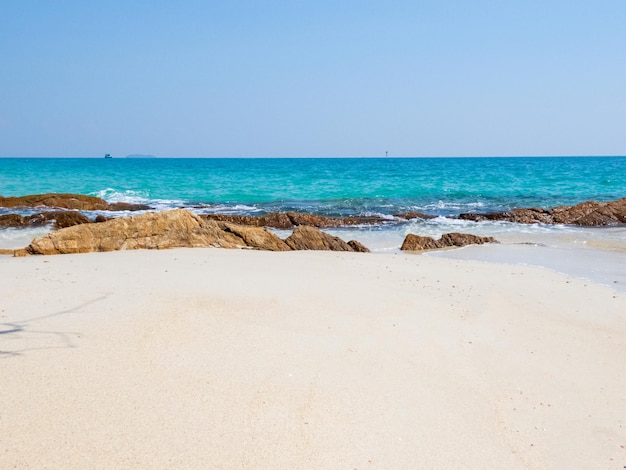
(230,358)
(602,267)
(595,254)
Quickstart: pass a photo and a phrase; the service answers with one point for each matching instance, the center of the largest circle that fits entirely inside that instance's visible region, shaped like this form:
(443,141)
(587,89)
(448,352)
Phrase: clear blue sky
(312,78)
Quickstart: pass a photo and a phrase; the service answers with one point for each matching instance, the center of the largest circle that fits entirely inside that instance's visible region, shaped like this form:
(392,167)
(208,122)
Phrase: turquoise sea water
(440,186)
(444,187)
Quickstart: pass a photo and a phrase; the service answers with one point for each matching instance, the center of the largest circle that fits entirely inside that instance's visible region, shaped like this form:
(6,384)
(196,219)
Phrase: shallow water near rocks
(442,187)
(605,267)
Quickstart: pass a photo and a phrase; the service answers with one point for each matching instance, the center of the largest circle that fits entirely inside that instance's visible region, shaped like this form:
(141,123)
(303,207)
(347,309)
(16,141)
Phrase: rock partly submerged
(414,242)
(176,229)
(61,219)
(589,213)
(288,220)
(69,201)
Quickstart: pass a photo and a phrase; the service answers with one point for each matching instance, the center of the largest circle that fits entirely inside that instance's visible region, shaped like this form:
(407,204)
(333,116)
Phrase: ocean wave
(12,238)
(115,195)
(226,209)
(112,195)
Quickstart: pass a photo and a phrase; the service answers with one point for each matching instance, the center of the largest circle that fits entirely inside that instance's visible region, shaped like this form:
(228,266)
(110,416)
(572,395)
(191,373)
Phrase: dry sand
(207,358)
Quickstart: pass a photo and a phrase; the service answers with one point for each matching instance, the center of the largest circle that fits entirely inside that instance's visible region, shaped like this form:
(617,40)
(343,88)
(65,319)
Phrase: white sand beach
(222,359)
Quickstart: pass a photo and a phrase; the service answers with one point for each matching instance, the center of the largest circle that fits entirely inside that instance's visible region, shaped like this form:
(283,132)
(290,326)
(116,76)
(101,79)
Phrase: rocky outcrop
(418,243)
(278,220)
(61,219)
(178,228)
(287,220)
(592,213)
(588,213)
(126,206)
(12,220)
(62,201)
(519,216)
(169,229)
(68,201)
(320,221)
(305,237)
(414,215)
(463,239)
(64,219)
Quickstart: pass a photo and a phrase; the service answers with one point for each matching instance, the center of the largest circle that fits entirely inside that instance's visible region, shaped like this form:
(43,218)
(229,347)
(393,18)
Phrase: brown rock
(275,220)
(255,237)
(288,220)
(414,215)
(169,229)
(358,246)
(178,228)
(305,237)
(62,219)
(69,201)
(62,201)
(591,213)
(312,220)
(12,220)
(520,216)
(125,206)
(463,239)
(418,243)
(17,252)
(321,221)
(362,220)
(588,213)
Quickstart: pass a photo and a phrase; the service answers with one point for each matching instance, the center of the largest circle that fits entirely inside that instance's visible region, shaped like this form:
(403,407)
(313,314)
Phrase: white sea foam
(11,238)
(225,209)
(452,206)
(114,195)
(594,253)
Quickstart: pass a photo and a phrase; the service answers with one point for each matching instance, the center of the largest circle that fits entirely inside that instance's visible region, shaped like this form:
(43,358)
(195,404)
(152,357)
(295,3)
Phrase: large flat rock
(178,228)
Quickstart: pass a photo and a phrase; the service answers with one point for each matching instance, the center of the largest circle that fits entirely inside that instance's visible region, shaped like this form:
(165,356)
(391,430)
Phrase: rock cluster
(588,213)
(178,228)
(61,219)
(418,243)
(288,220)
(69,201)
(181,228)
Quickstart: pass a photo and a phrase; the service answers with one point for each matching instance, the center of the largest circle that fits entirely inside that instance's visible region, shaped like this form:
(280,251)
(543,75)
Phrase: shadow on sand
(24,329)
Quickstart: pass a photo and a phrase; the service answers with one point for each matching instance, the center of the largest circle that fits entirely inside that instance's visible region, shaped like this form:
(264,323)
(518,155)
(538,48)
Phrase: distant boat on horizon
(107,155)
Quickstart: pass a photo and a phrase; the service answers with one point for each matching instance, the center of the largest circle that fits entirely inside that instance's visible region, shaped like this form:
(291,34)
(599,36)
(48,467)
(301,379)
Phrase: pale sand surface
(207,358)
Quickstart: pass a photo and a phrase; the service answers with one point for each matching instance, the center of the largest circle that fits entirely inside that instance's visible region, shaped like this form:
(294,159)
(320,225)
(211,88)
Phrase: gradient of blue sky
(312,78)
